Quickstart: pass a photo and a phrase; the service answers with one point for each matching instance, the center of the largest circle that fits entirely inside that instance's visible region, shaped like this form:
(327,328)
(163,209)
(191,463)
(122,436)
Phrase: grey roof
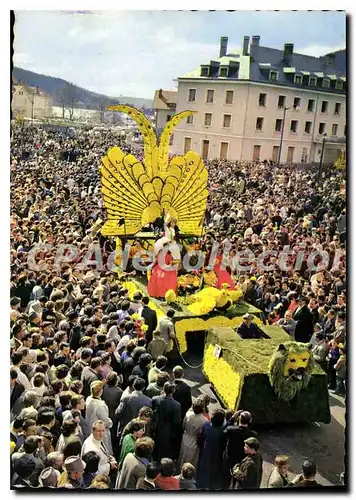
(263,59)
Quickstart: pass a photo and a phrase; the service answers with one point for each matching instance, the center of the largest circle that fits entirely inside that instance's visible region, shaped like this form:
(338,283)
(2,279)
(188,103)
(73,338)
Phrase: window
(339,85)
(308,127)
(281,101)
(326,83)
(168,117)
(298,79)
(256,152)
(227,121)
(290,154)
(278,127)
(229,98)
(187,144)
(273,76)
(224,72)
(190,119)
(322,128)
(20,92)
(334,129)
(210,96)
(224,146)
(311,105)
(205,71)
(304,157)
(337,108)
(262,100)
(191,97)
(324,106)
(296,103)
(275,153)
(294,126)
(259,123)
(207,121)
(313,81)
(205,149)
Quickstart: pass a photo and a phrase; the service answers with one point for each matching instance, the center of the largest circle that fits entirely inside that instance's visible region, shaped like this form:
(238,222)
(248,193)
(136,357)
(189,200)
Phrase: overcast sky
(133,53)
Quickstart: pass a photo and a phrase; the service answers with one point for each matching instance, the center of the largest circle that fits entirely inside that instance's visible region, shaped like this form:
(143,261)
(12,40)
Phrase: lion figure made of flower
(290,369)
(140,192)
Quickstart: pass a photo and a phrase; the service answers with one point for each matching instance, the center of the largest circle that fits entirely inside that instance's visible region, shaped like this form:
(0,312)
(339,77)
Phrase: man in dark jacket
(249,472)
(248,329)
(235,436)
(304,319)
(75,331)
(150,317)
(167,418)
(16,389)
(90,374)
(130,406)
(182,393)
(307,478)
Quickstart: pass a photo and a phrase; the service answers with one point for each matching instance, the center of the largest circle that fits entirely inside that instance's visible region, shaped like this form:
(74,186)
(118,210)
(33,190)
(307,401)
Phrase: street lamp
(321,158)
(280,144)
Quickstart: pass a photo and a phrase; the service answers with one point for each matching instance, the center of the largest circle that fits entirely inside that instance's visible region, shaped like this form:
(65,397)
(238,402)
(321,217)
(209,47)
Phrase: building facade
(246,101)
(164,106)
(30,102)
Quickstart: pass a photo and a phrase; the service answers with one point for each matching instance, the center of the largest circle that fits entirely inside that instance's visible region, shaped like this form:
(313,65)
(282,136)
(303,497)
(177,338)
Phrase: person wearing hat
(49,478)
(73,476)
(248,473)
(248,329)
(304,318)
(23,468)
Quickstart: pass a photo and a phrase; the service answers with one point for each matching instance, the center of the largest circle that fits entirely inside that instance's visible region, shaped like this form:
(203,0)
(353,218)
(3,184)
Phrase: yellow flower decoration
(144,328)
(135,316)
(203,306)
(225,380)
(170,296)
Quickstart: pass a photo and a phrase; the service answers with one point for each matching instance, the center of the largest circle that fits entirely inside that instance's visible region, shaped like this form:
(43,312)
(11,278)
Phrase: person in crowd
(95,442)
(211,443)
(340,369)
(91,459)
(135,431)
(149,481)
(193,423)
(332,359)
(186,477)
(307,478)
(304,318)
(248,473)
(156,388)
(135,464)
(96,409)
(157,347)
(236,434)
(320,351)
(130,406)
(248,329)
(288,323)
(279,475)
(150,317)
(158,367)
(167,418)
(165,479)
(182,392)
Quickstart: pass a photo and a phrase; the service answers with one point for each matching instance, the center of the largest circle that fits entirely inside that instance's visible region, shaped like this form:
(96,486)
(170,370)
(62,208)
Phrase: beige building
(164,105)
(241,98)
(30,102)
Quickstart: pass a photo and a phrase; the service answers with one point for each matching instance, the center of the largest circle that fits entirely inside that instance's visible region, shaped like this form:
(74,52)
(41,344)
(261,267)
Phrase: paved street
(324,443)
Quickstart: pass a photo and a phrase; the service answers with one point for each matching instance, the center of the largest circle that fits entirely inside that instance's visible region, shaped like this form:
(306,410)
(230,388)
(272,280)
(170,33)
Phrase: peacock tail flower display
(140,192)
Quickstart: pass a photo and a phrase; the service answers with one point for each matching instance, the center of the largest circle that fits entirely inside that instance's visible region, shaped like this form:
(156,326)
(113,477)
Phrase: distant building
(30,102)
(241,98)
(164,106)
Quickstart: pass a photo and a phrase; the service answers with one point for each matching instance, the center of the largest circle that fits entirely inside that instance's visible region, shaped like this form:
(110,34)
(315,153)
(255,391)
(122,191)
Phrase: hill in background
(85,98)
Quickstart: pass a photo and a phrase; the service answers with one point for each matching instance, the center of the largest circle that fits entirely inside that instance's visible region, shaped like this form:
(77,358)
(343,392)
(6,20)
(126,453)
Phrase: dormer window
(298,79)
(326,83)
(205,71)
(312,81)
(273,75)
(223,72)
(338,85)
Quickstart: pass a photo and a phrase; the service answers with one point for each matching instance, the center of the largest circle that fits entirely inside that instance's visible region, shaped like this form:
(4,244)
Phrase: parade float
(272,377)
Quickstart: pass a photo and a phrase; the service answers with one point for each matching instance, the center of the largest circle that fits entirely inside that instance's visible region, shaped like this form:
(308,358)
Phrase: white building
(240,99)
(164,106)
(30,102)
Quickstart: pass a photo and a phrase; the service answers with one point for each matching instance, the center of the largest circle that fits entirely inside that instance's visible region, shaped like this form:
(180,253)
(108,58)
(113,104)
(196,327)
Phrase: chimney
(246,41)
(288,51)
(330,59)
(255,41)
(160,93)
(223,46)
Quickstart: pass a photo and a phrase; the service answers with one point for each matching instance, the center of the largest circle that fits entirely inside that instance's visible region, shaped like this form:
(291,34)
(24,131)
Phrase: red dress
(162,280)
(222,275)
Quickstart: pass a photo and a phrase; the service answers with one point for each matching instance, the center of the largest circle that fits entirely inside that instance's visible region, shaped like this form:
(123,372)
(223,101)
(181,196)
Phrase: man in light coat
(95,442)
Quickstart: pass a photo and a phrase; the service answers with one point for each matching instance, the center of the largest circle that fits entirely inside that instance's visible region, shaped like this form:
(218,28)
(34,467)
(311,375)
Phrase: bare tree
(102,106)
(67,98)
(60,98)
